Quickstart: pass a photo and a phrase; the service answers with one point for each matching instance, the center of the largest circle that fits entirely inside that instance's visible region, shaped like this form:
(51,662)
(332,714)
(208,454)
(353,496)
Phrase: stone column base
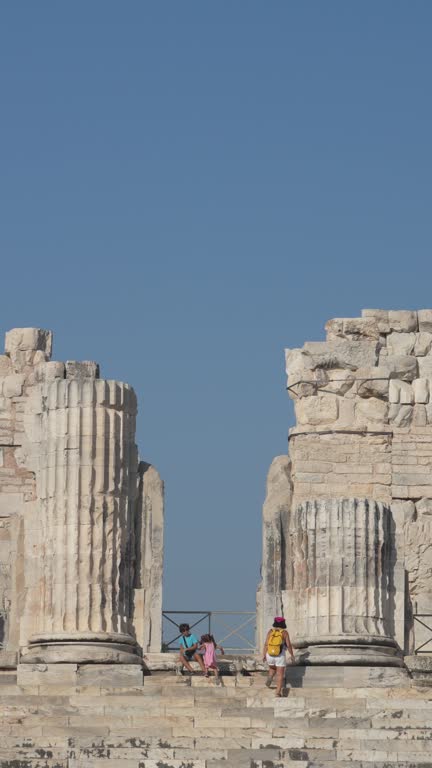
(349,650)
(54,678)
(420,669)
(86,647)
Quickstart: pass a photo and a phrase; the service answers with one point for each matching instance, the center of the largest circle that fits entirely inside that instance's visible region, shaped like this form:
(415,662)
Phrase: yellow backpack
(275,642)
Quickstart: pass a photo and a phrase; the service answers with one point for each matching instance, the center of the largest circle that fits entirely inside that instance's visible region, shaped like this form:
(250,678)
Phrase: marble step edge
(99,676)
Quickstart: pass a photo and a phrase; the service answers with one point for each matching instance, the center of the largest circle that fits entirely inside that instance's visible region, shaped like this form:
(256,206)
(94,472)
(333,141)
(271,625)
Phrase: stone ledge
(420,669)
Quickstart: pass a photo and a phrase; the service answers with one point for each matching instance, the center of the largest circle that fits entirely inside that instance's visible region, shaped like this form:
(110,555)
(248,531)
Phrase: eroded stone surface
(77,542)
(275,533)
(363,435)
(340,717)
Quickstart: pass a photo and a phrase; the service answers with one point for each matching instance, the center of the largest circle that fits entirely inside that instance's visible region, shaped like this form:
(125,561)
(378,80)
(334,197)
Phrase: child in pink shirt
(208,647)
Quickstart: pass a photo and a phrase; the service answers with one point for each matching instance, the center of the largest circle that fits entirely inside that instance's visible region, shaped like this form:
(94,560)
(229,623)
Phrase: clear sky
(187,188)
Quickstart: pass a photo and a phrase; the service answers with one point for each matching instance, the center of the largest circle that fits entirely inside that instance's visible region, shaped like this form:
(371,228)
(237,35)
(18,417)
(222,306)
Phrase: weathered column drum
(85,460)
(347,522)
(341,591)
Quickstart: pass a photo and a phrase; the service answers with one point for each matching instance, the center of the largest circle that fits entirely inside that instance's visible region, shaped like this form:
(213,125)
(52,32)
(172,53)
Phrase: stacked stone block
(81,520)
(97,717)
(363,436)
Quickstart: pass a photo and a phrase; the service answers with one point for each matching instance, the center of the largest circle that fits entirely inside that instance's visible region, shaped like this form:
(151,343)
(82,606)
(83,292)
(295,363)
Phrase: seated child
(188,650)
(208,647)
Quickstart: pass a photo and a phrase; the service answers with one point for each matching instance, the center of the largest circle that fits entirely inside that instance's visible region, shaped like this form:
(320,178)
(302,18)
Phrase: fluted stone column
(85,459)
(341,598)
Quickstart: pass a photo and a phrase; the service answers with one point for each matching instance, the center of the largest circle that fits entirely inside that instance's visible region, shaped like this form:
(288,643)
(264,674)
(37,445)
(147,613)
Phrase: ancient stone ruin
(347,523)
(81,517)
(347,558)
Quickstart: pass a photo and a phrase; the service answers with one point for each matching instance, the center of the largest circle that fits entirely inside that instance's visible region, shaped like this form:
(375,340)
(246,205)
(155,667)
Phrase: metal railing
(216,623)
(418,618)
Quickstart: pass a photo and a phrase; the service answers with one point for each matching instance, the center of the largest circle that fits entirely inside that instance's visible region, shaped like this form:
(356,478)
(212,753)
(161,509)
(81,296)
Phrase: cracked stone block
(400,415)
(49,371)
(402,320)
(352,328)
(339,382)
(406,393)
(423,344)
(316,410)
(341,353)
(400,366)
(424,506)
(381,317)
(13,385)
(425,320)
(86,369)
(419,416)
(5,366)
(425,366)
(373,410)
(27,346)
(403,511)
(421,390)
(372,382)
(394,391)
(401,343)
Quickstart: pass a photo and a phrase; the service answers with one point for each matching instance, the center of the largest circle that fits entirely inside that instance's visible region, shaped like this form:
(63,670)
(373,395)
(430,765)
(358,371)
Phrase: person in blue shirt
(189,650)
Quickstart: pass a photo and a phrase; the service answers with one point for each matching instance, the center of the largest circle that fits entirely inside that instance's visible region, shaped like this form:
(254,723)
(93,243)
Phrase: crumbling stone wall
(79,528)
(363,406)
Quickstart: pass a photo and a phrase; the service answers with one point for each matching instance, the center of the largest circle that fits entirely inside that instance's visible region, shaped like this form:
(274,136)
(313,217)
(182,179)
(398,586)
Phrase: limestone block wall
(71,525)
(363,406)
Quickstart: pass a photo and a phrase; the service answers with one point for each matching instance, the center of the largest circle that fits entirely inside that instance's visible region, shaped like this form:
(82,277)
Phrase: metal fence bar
(203,615)
(236,632)
(214,618)
(416,617)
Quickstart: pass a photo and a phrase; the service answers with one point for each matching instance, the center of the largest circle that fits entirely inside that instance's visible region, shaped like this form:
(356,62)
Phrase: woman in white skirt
(275,647)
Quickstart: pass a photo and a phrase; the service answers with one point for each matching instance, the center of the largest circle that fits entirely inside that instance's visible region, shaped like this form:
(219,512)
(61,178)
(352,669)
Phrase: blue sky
(188,187)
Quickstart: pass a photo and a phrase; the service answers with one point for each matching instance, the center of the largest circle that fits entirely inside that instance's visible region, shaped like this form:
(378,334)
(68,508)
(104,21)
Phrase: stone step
(123,675)
(170,722)
(268,758)
(242,687)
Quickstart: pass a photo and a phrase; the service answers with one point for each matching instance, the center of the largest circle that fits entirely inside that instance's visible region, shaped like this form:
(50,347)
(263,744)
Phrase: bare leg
(197,657)
(271,674)
(280,678)
(184,662)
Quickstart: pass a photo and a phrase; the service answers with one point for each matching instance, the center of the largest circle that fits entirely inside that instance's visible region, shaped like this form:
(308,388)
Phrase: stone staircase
(53,716)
